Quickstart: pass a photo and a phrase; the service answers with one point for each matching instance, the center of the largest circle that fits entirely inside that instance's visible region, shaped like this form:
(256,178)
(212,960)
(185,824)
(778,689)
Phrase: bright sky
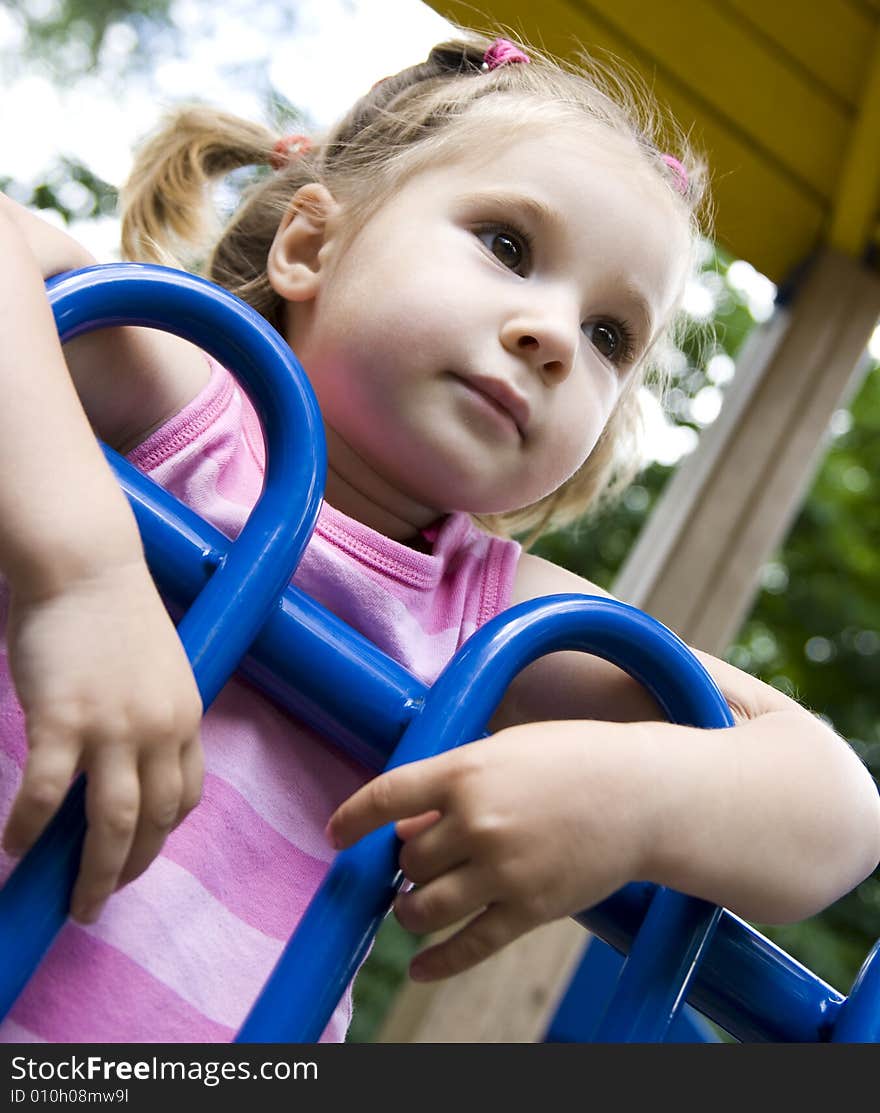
(322,61)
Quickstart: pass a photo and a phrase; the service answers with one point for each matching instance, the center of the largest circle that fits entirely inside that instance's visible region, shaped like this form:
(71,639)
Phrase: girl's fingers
(415,824)
(161,791)
(48,772)
(112,807)
(171,786)
(476,941)
(192,768)
(433,851)
(406,791)
(443,901)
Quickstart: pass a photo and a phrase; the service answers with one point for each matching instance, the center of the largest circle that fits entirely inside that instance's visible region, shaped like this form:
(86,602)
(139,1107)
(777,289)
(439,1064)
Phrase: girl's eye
(611,340)
(510,248)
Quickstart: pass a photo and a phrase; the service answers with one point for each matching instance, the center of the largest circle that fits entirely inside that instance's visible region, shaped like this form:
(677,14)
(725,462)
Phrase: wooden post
(697,563)
(695,567)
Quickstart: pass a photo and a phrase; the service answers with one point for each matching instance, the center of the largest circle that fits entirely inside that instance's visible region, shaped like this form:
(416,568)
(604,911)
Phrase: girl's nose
(545,341)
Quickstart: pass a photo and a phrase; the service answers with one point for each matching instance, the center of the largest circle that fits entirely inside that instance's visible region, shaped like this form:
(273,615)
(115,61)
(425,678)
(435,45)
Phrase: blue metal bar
(308,660)
(659,970)
(745,983)
(226,616)
(859,1020)
(584,1002)
(220,625)
(334,934)
(35,898)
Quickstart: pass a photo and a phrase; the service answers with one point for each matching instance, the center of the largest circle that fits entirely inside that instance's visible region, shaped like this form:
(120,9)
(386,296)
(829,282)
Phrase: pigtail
(168,215)
(168,211)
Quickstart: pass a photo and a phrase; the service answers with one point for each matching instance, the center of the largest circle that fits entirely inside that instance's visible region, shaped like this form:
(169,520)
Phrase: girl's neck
(354,489)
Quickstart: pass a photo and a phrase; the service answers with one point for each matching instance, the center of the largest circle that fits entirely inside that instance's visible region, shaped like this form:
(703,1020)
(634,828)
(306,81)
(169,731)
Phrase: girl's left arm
(583,787)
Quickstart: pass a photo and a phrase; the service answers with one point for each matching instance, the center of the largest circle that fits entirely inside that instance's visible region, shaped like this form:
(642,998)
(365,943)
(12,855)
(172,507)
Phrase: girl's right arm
(97,664)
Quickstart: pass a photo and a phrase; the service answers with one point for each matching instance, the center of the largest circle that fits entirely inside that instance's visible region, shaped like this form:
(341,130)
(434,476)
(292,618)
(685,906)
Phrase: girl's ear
(294,263)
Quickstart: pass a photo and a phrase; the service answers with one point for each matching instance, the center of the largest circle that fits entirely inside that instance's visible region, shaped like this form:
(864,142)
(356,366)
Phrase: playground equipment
(239,611)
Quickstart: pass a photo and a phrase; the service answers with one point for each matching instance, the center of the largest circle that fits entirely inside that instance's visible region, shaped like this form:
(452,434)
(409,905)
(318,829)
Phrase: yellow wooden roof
(783,96)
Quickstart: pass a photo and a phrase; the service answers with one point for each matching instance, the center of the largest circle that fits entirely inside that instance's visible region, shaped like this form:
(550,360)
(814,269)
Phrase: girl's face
(468,344)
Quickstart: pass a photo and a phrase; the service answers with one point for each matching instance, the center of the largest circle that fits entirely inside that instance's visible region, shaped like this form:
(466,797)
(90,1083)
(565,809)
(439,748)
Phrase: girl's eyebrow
(640,307)
(526,203)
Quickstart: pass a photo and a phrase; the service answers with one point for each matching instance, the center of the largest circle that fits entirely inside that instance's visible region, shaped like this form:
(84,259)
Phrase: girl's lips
(502,396)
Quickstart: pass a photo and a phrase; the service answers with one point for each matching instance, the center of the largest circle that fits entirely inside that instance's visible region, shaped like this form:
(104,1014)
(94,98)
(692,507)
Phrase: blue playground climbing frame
(669,960)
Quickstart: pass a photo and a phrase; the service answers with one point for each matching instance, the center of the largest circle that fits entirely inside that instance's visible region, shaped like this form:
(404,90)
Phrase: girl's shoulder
(131,381)
(566,685)
(206,408)
(536,576)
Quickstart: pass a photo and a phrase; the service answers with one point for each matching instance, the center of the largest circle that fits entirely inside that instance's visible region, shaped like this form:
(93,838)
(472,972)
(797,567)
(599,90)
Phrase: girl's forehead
(562,161)
(548,149)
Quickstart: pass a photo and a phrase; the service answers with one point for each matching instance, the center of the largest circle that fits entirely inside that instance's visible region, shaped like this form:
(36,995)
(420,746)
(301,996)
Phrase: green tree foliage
(67,36)
(68,188)
(50,28)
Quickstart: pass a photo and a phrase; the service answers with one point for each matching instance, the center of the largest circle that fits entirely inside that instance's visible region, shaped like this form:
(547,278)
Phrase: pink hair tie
(682,182)
(289,148)
(502,52)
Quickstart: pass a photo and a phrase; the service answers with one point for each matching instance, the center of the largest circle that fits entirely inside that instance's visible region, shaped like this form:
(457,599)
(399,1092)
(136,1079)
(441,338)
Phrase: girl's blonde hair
(428,112)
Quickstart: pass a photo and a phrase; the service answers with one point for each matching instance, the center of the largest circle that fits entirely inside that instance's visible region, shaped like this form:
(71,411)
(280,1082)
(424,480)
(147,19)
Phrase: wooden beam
(508,999)
(695,566)
(697,562)
(858,191)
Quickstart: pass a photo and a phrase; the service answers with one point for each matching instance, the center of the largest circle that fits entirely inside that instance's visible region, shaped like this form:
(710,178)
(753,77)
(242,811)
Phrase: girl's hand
(106,689)
(530,825)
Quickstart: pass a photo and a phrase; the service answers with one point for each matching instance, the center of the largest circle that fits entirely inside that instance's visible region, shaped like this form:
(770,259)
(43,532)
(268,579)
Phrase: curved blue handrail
(220,625)
(243,584)
(342,919)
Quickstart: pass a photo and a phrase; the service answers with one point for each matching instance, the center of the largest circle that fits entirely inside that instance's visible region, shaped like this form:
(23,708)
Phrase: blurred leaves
(68,188)
(67,35)
(49,26)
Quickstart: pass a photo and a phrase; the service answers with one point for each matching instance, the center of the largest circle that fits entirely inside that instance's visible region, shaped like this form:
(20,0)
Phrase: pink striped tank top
(180,954)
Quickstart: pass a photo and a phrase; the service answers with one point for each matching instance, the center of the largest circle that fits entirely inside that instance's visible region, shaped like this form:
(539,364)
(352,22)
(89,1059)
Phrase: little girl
(474,267)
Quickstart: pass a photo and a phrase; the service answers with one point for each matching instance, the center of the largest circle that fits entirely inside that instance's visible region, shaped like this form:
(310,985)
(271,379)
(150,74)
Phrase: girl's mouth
(500,398)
